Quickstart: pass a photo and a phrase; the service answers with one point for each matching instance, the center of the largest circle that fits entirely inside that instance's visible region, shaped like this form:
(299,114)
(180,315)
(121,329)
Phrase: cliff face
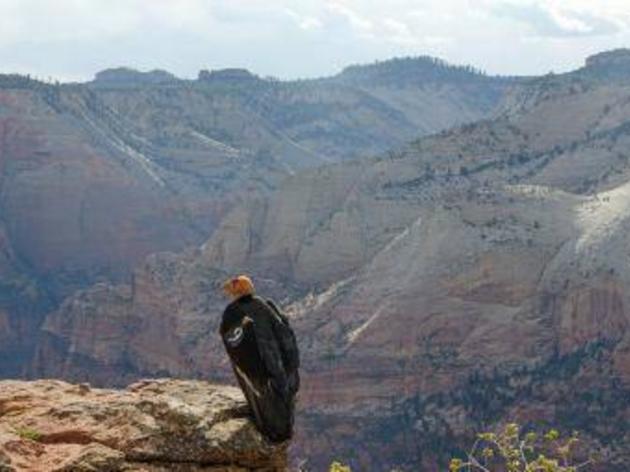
(108,334)
(23,305)
(475,276)
(151,426)
(95,177)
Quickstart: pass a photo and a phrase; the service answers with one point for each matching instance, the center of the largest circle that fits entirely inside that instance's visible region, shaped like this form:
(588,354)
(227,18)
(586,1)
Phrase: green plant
(338,467)
(513,451)
(28,433)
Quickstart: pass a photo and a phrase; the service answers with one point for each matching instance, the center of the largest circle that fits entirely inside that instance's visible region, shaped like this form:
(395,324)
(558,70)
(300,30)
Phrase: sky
(71,40)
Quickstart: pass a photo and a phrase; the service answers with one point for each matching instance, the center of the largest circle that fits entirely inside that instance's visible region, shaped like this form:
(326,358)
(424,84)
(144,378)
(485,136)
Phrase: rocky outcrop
(613,64)
(151,426)
(228,75)
(124,77)
(111,330)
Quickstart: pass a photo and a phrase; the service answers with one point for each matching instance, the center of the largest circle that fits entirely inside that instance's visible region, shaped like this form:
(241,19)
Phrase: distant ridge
(613,64)
(409,69)
(126,76)
(228,75)
(402,69)
(615,57)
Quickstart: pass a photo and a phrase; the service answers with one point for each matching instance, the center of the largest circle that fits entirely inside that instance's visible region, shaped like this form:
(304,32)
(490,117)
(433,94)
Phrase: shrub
(338,467)
(512,451)
(28,433)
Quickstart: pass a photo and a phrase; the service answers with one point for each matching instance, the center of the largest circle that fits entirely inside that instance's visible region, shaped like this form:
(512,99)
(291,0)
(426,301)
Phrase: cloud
(357,21)
(558,23)
(399,31)
(302,38)
(304,22)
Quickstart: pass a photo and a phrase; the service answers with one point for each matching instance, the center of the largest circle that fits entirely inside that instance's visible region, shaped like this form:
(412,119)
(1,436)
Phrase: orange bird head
(238,286)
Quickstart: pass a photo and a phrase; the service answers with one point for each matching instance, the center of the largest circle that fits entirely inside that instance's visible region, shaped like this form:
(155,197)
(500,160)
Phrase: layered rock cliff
(151,426)
(95,177)
(475,276)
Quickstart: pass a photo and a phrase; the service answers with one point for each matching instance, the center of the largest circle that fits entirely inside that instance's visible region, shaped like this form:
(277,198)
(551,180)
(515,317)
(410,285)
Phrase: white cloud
(399,32)
(547,19)
(289,38)
(357,21)
(310,24)
(304,22)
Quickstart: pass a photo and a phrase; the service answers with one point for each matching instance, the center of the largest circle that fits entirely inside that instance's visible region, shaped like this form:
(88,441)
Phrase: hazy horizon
(70,40)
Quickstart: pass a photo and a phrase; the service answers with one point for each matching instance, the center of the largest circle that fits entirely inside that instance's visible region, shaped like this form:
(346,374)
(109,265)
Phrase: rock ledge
(152,425)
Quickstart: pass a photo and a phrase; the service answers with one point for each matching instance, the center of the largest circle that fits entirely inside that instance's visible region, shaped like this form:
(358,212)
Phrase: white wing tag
(234,336)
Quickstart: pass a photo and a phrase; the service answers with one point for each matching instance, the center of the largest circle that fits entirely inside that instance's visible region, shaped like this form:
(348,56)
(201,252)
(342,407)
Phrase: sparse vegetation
(512,450)
(28,433)
(413,70)
(338,467)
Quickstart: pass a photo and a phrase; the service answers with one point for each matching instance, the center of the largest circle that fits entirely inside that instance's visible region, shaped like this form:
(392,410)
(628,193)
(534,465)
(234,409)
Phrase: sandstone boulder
(152,425)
